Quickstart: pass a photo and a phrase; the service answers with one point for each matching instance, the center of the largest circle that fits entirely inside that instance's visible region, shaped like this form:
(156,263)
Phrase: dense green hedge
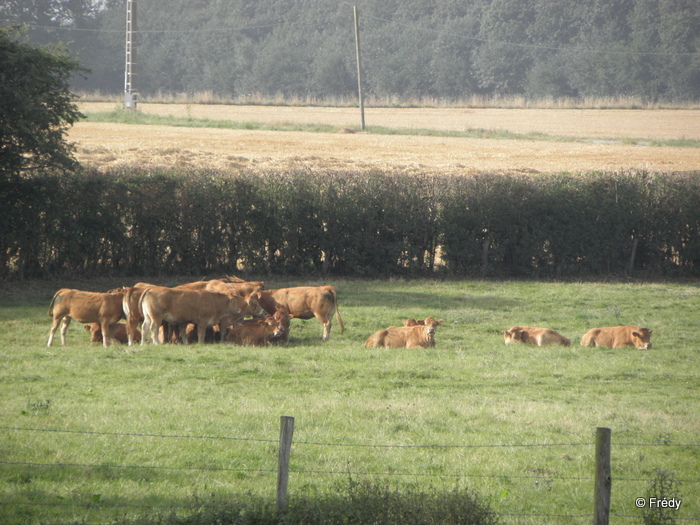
(127,222)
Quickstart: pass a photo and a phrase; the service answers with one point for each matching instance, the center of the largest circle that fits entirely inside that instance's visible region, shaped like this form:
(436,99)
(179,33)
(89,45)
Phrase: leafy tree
(505,57)
(35,107)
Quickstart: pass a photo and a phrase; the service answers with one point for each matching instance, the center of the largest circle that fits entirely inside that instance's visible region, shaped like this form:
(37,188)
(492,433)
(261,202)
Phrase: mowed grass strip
(171,428)
(123,116)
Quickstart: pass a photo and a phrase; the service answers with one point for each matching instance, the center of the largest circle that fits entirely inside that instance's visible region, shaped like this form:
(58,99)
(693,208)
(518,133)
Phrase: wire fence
(545,478)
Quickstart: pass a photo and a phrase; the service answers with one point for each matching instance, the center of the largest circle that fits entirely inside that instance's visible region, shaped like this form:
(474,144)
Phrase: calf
(120,333)
(255,333)
(306,302)
(85,307)
(181,306)
(534,336)
(618,336)
(412,336)
(132,310)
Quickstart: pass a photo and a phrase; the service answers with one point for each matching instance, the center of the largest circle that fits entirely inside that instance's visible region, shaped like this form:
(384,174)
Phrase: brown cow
(306,302)
(180,306)
(256,333)
(534,336)
(244,289)
(414,336)
(618,336)
(120,333)
(132,310)
(85,307)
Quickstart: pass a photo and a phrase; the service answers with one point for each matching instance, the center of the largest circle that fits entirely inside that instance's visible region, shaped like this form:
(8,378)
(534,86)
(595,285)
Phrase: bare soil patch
(108,145)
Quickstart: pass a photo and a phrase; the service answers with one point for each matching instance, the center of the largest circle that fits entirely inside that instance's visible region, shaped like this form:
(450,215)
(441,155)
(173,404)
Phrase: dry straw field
(603,140)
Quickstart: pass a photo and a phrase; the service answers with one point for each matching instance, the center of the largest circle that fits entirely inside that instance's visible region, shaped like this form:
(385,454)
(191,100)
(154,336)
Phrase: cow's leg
(54,327)
(64,326)
(327,325)
(145,329)
(182,331)
(131,325)
(107,333)
(201,332)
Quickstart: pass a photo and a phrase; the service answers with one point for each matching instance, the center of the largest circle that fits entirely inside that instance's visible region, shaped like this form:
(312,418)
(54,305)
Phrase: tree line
(411,49)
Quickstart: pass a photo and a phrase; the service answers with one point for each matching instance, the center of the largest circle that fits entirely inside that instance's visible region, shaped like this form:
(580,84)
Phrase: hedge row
(131,222)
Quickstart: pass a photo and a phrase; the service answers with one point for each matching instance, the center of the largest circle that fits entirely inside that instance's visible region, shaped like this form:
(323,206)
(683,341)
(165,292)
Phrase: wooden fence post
(603,479)
(286,432)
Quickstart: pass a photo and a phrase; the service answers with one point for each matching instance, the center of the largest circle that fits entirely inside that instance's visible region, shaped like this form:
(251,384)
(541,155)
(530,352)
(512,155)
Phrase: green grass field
(100,436)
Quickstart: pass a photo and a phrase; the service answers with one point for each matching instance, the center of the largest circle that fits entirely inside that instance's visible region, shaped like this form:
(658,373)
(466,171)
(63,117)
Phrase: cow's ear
(440,321)
(636,334)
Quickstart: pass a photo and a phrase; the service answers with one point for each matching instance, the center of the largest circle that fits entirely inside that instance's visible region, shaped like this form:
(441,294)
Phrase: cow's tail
(53,301)
(143,296)
(125,302)
(337,310)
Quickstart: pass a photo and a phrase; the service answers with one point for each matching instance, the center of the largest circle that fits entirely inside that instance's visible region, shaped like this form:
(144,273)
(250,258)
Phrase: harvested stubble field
(602,140)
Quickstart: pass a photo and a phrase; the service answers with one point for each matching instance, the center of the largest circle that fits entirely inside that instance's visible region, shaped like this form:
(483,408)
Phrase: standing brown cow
(306,302)
(132,310)
(180,307)
(618,336)
(85,307)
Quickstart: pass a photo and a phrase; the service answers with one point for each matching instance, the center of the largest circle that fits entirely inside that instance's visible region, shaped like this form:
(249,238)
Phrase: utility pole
(130,95)
(359,68)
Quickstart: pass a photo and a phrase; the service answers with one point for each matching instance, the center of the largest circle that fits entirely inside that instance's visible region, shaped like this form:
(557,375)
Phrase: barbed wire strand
(359,445)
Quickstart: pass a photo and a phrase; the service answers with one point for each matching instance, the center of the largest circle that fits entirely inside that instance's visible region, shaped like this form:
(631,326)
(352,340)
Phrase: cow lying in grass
(618,336)
(258,332)
(534,336)
(418,335)
(120,333)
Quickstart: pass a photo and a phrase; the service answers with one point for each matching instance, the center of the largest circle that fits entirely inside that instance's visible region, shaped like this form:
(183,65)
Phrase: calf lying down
(415,334)
(120,333)
(534,336)
(618,336)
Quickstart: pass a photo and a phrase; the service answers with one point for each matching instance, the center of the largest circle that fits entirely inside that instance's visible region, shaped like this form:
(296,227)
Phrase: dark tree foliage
(450,49)
(35,107)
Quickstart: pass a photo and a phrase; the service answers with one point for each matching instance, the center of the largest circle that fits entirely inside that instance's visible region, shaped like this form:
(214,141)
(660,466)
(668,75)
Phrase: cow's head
(275,326)
(431,324)
(254,307)
(514,335)
(95,332)
(642,338)
(412,322)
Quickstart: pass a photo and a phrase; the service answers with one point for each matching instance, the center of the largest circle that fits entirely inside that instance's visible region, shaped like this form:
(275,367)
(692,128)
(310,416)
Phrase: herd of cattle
(245,313)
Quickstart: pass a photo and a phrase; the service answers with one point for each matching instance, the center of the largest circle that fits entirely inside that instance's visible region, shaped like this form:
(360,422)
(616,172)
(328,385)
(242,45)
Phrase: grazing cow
(618,336)
(120,333)
(256,333)
(85,307)
(534,336)
(181,306)
(419,335)
(306,302)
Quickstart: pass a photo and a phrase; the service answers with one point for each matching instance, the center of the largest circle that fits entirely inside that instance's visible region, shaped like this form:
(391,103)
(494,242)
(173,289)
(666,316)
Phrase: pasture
(93,435)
